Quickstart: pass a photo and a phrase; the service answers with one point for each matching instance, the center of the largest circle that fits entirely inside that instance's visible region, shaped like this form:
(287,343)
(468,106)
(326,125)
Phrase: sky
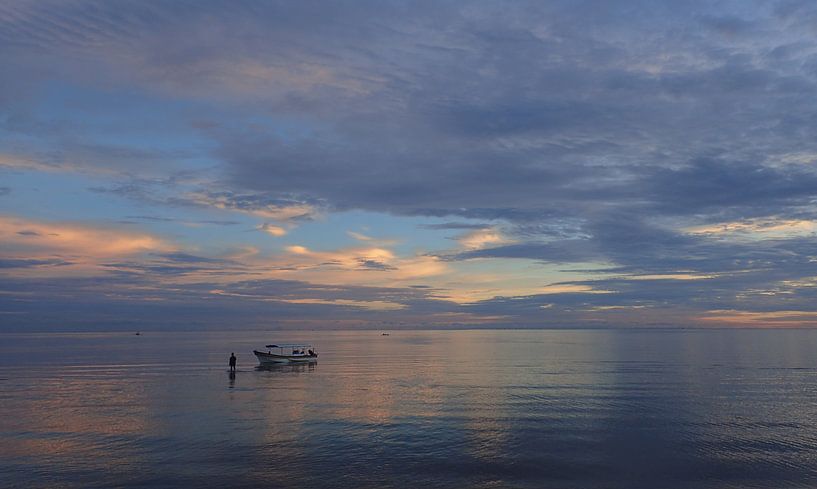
(355,164)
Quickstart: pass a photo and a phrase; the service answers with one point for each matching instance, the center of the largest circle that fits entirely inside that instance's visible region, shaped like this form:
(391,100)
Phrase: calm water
(527,409)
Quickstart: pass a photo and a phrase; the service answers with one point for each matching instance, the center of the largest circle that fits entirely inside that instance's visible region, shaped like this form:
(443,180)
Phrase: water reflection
(586,409)
(287,367)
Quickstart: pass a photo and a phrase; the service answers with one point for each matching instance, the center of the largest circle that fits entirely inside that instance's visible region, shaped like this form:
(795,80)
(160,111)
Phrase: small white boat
(287,353)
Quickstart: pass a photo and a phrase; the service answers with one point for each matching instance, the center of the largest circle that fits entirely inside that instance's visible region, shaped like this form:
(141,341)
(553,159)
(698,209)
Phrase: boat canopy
(290,345)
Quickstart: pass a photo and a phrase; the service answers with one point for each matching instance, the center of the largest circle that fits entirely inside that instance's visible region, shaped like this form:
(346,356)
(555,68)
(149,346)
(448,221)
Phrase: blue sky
(407,164)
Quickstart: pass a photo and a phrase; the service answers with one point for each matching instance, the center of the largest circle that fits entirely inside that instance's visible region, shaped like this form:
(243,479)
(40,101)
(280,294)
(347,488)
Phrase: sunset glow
(541,165)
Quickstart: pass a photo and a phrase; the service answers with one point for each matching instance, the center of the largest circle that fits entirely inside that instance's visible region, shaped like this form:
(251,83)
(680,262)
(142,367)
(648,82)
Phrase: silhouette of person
(232,362)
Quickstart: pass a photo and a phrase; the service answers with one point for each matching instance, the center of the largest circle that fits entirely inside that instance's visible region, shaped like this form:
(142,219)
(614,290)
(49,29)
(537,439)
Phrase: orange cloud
(273,230)
(75,239)
(481,238)
(368,265)
(786,319)
(766,228)
(82,247)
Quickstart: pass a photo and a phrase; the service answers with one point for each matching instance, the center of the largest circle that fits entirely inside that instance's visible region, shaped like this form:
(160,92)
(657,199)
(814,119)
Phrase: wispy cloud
(26,236)
(272,230)
(255,204)
(359,236)
(482,238)
(188,222)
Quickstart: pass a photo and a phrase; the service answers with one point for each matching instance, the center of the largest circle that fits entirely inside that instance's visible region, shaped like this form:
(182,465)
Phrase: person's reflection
(232,378)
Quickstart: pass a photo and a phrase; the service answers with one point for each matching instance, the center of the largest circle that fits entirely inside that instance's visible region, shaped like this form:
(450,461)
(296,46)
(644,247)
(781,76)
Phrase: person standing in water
(232,362)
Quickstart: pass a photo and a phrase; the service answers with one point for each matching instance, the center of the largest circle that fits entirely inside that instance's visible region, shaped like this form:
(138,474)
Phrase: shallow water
(527,409)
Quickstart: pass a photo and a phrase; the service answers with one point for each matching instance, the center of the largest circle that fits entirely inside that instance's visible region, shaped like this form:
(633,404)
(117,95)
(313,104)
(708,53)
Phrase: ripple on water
(590,409)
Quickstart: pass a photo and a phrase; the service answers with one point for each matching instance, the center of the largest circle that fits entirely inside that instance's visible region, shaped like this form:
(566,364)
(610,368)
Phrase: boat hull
(265,358)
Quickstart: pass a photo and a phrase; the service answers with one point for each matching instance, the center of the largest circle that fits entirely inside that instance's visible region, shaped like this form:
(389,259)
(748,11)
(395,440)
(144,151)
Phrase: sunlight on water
(583,409)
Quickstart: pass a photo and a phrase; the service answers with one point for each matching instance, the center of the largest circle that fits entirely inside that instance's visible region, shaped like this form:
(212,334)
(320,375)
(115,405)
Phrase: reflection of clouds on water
(413,339)
(527,418)
(72,422)
(702,401)
(452,409)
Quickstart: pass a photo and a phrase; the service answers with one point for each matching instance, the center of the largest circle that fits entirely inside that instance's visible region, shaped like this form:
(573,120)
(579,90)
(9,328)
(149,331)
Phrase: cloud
(369,264)
(181,257)
(481,238)
(171,193)
(564,251)
(273,230)
(454,225)
(128,301)
(56,152)
(31,263)
(177,265)
(757,228)
(23,235)
(278,209)
(667,156)
(712,185)
(215,222)
(559,118)
(345,265)
(359,236)
(14,162)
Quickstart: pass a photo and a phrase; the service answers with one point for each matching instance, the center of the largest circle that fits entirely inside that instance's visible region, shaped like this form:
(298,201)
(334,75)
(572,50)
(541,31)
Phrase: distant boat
(287,353)
(384,334)
(138,333)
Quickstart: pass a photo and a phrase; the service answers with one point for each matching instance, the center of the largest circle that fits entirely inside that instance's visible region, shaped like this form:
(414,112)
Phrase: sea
(681,408)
